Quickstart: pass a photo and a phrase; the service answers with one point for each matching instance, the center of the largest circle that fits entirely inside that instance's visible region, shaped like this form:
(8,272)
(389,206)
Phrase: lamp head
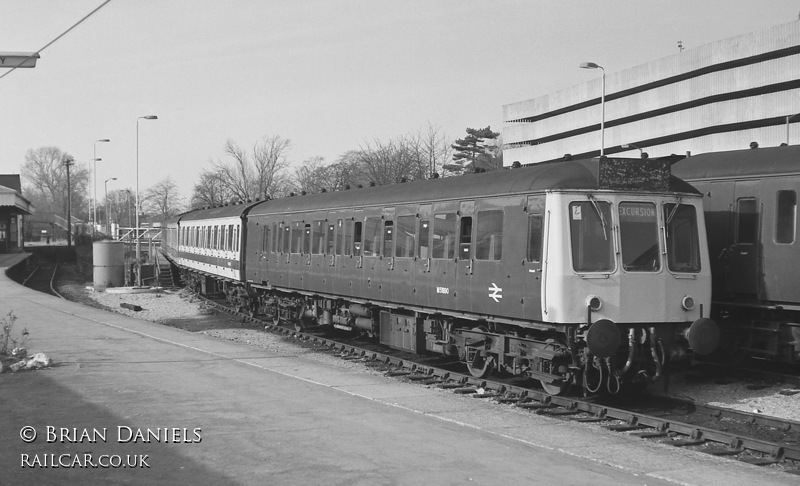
(103,140)
(150,117)
(589,65)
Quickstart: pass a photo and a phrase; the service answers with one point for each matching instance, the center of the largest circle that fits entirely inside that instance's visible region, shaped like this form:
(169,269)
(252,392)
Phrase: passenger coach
(751,213)
(592,273)
(209,243)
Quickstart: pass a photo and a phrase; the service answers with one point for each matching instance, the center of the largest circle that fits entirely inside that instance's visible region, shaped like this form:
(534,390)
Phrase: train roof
(561,175)
(226,211)
(747,163)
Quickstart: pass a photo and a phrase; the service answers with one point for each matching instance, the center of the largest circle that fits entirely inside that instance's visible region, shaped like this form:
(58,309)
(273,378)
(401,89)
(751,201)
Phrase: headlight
(687,303)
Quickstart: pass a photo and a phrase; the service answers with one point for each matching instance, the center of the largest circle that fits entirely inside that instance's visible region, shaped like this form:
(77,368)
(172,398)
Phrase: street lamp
(106,184)
(94,180)
(591,65)
(69,163)
(642,153)
(137,207)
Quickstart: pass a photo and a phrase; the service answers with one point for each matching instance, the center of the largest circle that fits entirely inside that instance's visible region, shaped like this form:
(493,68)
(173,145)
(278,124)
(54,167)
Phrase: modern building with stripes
(725,95)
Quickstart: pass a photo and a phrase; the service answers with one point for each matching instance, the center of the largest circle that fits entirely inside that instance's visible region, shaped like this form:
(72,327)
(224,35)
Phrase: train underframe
(557,355)
(765,331)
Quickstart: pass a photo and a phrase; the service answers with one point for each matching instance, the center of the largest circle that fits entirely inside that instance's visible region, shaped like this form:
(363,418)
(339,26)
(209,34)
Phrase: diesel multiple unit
(590,273)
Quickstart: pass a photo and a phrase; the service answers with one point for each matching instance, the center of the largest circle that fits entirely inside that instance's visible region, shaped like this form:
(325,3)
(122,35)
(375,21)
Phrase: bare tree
(310,177)
(163,200)
(435,149)
(45,181)
(255,175)
(115,205)
(210,190)
(269,162)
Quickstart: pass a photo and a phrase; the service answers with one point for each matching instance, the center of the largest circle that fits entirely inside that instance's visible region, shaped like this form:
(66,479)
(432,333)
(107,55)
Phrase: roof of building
(11,194)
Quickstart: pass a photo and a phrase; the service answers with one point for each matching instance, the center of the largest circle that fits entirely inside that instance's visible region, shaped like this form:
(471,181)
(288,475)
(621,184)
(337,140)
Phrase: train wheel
(481,366)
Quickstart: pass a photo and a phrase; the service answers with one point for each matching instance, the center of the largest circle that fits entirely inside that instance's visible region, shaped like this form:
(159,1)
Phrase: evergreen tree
(471,152)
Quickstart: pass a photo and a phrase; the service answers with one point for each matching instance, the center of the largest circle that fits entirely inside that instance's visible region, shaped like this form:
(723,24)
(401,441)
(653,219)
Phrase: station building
(730,94)
(13,209)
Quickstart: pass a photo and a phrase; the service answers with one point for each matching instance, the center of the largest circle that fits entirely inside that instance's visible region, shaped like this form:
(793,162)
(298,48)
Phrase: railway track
(752,438)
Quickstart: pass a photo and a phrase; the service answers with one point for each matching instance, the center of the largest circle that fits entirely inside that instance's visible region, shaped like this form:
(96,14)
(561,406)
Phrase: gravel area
(178,308)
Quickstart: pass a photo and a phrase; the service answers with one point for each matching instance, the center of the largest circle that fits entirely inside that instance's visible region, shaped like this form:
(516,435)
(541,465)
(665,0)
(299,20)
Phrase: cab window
(590,227)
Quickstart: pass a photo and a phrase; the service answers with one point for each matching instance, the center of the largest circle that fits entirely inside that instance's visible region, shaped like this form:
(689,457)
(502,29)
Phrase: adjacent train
(751,216)
(593,274)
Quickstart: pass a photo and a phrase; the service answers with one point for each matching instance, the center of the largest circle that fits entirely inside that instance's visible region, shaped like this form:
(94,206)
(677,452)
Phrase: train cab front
(636,276)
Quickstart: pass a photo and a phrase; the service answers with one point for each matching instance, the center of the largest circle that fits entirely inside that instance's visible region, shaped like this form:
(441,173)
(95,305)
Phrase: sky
(330,76)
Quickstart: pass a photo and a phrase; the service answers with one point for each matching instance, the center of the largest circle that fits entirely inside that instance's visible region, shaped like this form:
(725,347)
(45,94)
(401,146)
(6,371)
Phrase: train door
(444,236)
(743,256)
(487,276)
(531,282)
(403,272)
(465,257)
(422,275)
(781,250)
(317,259)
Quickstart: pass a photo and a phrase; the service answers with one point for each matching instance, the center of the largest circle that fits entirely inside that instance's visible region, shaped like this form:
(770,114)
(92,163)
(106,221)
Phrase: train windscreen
(590,232)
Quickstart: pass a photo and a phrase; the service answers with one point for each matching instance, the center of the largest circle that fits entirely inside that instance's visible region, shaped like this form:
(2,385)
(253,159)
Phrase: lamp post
(94,180)
(591,65)
(106,184)
(137,205)
(129,205)
(68,163)
(788,119)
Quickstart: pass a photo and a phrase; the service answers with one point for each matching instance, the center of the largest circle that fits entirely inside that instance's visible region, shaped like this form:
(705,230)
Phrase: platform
(228,413)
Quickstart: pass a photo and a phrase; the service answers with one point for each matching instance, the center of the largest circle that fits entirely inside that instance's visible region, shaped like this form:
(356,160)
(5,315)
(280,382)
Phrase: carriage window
(306,239)
(286,238)
(265,239)
(329,240)
(297,237)
(785,217)
(444,235)
(746,221)
(275,238)
(489,235)
(356,237)
(423,250)
(372,237)
(465,238)
(535,237)
(339,236)
(590,226)
(388,237)
(404,246)
(638,229)
(683,242)
(236,238)
(318,237)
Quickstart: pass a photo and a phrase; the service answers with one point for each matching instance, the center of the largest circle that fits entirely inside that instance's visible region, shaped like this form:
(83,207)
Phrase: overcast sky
(327,75)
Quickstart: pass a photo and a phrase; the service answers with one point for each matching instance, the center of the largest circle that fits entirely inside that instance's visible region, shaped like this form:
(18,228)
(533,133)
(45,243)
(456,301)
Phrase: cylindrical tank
(109,264)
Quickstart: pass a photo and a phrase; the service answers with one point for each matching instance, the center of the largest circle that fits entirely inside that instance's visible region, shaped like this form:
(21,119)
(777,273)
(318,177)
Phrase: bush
(8,343)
